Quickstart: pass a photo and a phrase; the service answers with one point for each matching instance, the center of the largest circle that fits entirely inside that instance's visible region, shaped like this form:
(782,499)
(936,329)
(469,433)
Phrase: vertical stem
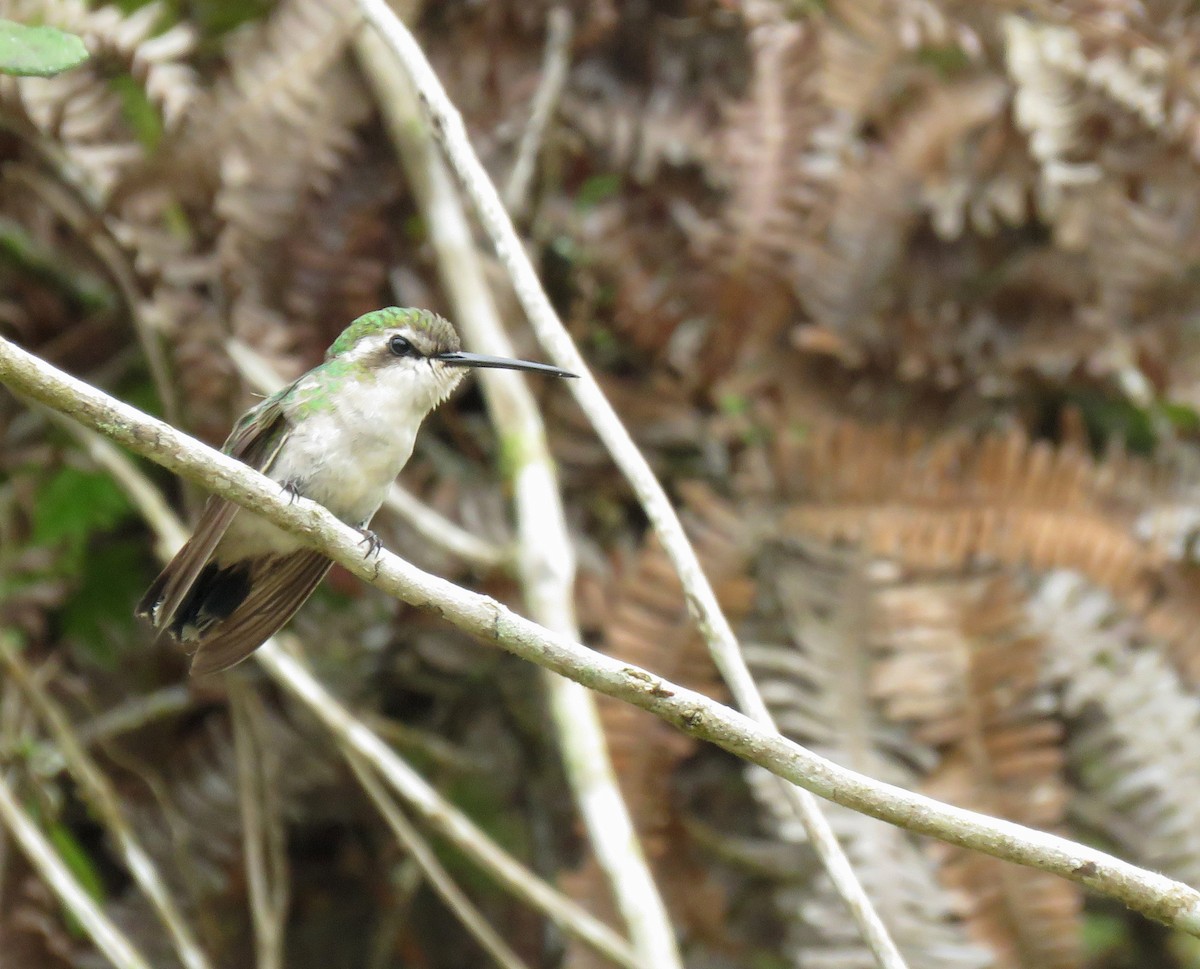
(698,592)
(545,558)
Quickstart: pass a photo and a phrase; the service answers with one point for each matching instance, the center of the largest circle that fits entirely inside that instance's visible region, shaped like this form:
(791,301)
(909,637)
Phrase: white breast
(343,457)
(346,457)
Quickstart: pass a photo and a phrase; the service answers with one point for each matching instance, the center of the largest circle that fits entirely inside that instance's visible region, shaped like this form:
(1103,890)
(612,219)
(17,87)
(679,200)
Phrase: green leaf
(38,51)
(598,189)
(75,503)
(97,619)
(75,857)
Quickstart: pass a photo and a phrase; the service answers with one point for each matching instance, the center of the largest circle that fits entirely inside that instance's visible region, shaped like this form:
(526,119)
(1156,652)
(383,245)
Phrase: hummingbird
(339,435)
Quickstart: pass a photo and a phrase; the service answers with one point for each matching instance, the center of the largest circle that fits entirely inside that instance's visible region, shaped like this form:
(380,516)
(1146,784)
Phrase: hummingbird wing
(278,586)
(255,441)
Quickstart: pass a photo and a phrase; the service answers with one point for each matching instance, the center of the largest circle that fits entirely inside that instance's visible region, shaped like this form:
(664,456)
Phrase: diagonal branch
(701,600)
(1156,896)
(44,859)
(545,559)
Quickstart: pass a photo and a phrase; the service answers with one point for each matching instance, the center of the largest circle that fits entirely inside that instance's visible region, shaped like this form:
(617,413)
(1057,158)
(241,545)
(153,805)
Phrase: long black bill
(460,358)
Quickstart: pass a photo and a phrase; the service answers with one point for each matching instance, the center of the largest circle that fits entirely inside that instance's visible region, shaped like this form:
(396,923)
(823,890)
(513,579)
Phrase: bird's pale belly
(347,470)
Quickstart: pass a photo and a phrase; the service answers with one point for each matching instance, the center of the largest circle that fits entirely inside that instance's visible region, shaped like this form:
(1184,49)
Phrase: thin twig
(425,520)
(263,842)
(443,817)
(437,876)
(545,559)
(698,592)
(99,793)
(1156,896)
(299,682)
(42,857)
(545,101)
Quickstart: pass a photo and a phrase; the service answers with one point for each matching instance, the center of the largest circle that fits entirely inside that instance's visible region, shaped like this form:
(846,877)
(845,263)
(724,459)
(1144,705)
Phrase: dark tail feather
(275,588)
(176,582)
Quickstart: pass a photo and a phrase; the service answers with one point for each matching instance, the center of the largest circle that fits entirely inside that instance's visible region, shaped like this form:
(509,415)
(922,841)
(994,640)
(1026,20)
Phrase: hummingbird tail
(275,587)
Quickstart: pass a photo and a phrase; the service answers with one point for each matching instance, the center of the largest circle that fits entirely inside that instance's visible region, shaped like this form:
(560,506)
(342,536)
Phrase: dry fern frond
(777,175)
(868,49)
(811,655)
(1046,64)
(1141,255)
(647,624)
(262,144)
(79,109)
(960,666)
(943,505)
(859,50)
(1132,725)
(843,277)
(334,262)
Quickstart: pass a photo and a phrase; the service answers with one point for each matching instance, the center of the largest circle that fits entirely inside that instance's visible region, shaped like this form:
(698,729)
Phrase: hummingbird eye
(402,347)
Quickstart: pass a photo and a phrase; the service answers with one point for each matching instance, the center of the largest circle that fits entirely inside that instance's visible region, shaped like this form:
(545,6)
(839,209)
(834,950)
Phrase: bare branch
(437,876)
(263,840)
(698,592)
(45,861)
(106,803)
(545,100)
(545,557)
(1168,901)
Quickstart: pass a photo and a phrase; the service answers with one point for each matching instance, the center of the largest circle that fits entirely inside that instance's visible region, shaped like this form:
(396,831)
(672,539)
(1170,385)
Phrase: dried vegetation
(898,296)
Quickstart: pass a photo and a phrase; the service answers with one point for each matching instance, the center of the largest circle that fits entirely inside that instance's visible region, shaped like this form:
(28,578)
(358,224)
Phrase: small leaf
(73,504)
(38,51)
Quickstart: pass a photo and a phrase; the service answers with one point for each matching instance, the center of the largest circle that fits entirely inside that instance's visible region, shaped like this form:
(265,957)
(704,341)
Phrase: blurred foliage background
(900,297)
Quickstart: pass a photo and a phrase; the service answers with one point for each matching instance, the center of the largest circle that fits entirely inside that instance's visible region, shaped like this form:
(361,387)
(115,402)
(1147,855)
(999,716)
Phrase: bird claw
(290,489)
(373,542)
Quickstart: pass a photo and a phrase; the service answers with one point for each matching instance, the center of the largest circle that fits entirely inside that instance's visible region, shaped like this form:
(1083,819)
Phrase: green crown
(390,317)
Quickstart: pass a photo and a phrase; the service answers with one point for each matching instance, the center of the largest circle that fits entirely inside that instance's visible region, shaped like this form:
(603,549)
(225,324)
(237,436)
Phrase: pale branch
(545,100)
(1156,896)
(43,859)
(435,873)
(263,837)
(701,600)
(355,737)
(545,557)
(104,800)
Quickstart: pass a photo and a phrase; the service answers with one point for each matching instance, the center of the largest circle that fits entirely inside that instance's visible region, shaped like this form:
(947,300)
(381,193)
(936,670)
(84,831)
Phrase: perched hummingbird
(339,435)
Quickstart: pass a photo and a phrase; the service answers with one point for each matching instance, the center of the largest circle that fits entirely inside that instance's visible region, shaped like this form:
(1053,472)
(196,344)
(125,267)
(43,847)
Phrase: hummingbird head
(418,347)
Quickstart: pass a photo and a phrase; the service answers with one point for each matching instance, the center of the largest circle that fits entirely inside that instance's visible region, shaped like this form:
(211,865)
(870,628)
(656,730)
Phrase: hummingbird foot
(291,489)
(373,542)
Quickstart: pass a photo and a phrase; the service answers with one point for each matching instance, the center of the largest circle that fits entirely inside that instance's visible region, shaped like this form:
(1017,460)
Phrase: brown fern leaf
(773,168)
(942,505)
(334,263)
(1131,724)
(859,50)
(1141,255)
(1000,753)
(809,649)
(281,122)
(648,625)
(80,109)
(844,278)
